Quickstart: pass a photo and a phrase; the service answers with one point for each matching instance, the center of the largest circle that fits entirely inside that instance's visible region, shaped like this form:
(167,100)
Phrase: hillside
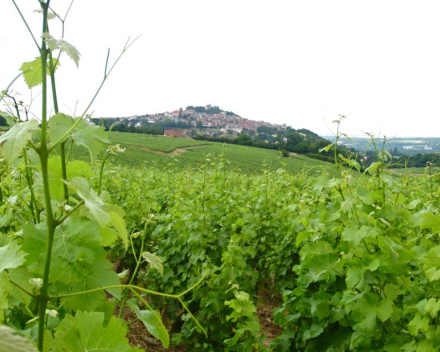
(166,152)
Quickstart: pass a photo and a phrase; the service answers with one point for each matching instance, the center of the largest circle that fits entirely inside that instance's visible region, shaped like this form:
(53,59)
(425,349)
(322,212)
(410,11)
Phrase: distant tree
(284,153)
(156,129)
(301,148)
(244,139)
(199,124)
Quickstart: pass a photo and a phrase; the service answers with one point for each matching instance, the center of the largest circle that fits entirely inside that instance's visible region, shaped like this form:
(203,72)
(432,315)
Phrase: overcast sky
(283,61)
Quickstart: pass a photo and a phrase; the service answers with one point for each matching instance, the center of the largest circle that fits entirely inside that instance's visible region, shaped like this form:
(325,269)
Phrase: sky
(301,63)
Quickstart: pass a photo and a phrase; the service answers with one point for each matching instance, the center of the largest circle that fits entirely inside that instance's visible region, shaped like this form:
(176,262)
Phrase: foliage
(54,271)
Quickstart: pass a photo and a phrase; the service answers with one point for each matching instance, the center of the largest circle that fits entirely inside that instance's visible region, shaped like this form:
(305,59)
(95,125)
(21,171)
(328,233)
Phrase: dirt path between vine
(177,151)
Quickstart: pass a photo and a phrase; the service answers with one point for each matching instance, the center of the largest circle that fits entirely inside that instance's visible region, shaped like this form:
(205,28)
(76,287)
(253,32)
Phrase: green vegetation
(352,258)
(55,225)
(197,256)
(159,143)
(236,157)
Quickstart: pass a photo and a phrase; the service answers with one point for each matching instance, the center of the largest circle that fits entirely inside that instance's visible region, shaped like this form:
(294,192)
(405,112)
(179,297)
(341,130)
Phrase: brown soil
(141,338)
(177,151)
(265,306)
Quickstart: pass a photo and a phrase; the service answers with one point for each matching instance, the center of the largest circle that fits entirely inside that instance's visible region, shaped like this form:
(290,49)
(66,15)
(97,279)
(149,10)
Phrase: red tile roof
(173,133)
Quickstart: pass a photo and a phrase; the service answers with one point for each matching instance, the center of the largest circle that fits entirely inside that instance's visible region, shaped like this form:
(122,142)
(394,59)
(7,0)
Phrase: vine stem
(105,288)
(27,26)
(192,316)
(62,219)
(138,264)
(67,133)
(43,297)
(23,289)
(63,144)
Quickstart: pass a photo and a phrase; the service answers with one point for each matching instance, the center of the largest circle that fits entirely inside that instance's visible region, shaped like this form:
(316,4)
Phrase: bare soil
(177,151)
(138,335)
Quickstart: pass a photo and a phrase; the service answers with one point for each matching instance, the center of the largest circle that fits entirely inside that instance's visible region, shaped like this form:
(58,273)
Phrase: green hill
(146,150)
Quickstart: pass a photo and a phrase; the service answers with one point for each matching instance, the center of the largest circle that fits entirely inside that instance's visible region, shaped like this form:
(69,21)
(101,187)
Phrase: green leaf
(326,148)
(314,331)
(431,264)
(118,222)
(368,323)
(11,256)
(351,162)
(385,309)
(153,323)
(347,205)
(354,276)
(13,141)
(76,168)
(32,71)
(91,200)
(419,322)
(354,235)
(432,307)
(5,291)
(373,167)
(62,45)
(430,221)
(11,341)
(88,332)
(93,138)
(154,260)
(58,125)
(78,260)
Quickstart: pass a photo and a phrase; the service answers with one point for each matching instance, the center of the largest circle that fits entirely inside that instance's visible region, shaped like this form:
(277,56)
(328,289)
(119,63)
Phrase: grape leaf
(11,341)
(354,275)
(88,332)
(153,323)
(16,139)
(385,309)
(430,221)
(118,222)
(93,138)
(77,168)
(78,260)
(5,289)
(62,45)
(154,260)
(432,307)
(91,199)
(32,71)
(58,125)
(419,322)
(100,274)
(431,264)
(11,256)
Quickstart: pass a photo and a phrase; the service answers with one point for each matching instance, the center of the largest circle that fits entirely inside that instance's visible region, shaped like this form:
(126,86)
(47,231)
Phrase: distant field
(165,144)
(246,159)
(416,170)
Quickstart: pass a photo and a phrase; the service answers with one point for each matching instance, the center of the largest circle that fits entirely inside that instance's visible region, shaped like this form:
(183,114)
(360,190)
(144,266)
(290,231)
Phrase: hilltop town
(208,120)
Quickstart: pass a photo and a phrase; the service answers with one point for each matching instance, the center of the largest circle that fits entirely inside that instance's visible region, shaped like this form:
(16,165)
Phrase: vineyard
(104,248)
(166,152)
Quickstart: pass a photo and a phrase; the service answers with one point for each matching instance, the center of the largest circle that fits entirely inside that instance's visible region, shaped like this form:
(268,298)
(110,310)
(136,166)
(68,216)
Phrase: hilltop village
(194,120)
